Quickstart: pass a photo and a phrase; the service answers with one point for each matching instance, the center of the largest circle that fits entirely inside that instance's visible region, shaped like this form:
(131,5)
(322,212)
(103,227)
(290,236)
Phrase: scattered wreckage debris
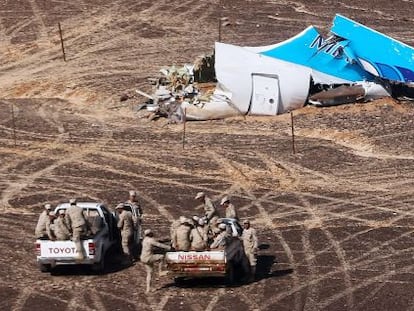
(274,79)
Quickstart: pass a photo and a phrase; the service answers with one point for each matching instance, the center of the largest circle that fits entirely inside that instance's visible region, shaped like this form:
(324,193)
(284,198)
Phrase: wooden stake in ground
(14,126)
(61,42)
(293,132)
(184,122)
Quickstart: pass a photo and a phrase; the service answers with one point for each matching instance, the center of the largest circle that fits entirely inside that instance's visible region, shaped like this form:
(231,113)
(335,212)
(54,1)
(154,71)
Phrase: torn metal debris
(274,79)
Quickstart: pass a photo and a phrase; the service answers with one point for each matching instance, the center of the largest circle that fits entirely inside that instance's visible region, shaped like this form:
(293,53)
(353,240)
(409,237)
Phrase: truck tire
(179,281)
(99,267)
(44,268)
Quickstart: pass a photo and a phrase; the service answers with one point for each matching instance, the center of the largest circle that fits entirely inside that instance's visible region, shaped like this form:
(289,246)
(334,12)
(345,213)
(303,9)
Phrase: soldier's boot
(79,256)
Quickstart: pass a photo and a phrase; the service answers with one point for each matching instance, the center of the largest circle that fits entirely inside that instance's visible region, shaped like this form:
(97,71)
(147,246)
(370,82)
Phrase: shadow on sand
(263,271)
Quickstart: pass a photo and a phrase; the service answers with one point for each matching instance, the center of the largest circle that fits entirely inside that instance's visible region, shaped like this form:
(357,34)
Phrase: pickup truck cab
(102,235)
(220,262)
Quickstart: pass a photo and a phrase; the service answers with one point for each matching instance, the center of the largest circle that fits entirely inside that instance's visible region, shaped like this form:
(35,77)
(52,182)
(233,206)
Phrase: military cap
(62,212)
(200,195)
(246,221)
(72,201)
(132,193)
(224,200)
(147,232)
(48,206)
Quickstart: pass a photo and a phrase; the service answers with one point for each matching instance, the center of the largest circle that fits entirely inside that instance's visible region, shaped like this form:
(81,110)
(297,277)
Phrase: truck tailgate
(192,263)
(61,250)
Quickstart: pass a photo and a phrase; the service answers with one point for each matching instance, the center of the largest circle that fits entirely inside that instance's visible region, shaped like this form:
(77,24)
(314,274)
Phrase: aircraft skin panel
(310,49)
(377,48)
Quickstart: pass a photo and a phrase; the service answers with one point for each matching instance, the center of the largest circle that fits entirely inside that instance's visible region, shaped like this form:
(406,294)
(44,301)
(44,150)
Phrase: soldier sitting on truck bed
(50,227)
(61,229)
(181,235)
(198,235)
(40,231)
(221,240)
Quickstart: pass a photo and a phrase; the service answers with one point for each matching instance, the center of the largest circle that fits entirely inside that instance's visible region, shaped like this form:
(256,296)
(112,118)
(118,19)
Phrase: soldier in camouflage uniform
(148,258)
(250,245)
(135,205)
(78,226)
(198,235)
(126,226)
(209,208)
(181,235)
(40,231)
(230,210)
(50,226)
(61,229)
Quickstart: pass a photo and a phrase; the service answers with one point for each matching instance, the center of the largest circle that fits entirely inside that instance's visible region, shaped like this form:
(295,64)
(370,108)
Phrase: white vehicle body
(103,236)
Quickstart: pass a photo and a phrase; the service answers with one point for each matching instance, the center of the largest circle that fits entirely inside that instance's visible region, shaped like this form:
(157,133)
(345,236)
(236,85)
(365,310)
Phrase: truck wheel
(179,281)
(230,274)
(44,268)
(99,267)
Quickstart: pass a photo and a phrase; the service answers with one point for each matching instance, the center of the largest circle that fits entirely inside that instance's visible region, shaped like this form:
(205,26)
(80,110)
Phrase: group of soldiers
(71,224)
(68,224)
(197,233)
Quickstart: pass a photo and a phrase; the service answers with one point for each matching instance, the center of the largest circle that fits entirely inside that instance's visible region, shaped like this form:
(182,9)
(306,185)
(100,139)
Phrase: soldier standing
(209,208)
(133,201)
(126,226)
(77,225)
(250,245)
(61,229)
(230,210)
(40,231)
(149,258)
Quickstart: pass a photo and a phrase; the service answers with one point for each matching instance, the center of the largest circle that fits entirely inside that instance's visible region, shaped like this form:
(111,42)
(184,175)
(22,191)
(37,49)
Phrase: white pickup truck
(210,263)
(104,234)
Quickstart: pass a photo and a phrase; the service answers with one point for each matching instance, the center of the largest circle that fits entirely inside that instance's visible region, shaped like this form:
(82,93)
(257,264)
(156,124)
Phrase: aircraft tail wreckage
(306,68)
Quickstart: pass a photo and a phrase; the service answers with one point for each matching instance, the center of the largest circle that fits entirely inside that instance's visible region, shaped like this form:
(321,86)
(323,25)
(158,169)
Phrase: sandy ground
(335,219)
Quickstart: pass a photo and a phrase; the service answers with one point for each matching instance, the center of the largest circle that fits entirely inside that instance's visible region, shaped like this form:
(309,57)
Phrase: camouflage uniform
(77,224)
(250,245)
(209,208)
(221,240)
(139,212)
(198,238)
(181,237)
(40,231)
(230,210)
(126,225)
(50,226)
(61,229)
(148,258)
